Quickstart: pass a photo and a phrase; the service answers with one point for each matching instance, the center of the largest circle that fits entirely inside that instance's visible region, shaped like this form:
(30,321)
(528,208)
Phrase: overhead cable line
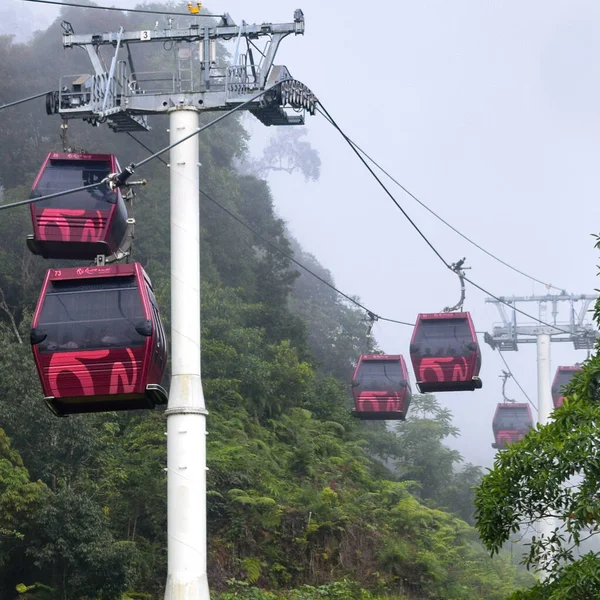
(23,100)
(283,252)
(121,178)
(321,109)
(324,112)
(131,10)
(516,380)
(431,211)
(299,264)
(55,195)
(133,166)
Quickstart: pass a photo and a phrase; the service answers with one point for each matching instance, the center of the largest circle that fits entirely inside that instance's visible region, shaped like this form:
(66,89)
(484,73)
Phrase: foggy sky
(489,112)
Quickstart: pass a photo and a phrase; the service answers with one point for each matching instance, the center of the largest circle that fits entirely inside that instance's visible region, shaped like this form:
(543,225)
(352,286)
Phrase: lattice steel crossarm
(124,98)
(226,29)
(508,334)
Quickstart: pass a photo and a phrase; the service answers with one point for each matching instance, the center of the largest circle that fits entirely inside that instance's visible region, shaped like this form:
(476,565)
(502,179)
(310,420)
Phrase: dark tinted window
(379,375)
(444,337)
(515,418)
(562,378)
(160,332)
(62,175)
(91,314)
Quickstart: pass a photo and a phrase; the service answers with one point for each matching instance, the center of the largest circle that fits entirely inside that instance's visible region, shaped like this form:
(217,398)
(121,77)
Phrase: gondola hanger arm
(505,376)
(372,318)
(458,268)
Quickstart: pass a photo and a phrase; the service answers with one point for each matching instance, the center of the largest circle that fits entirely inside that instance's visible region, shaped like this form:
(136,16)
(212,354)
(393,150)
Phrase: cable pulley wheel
(51,103)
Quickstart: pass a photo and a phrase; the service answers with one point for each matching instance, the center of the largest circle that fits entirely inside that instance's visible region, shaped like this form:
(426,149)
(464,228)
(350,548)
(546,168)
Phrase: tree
(287,152)
(553,473)
(422,456)
(72,545)
(20,499)
(337,330)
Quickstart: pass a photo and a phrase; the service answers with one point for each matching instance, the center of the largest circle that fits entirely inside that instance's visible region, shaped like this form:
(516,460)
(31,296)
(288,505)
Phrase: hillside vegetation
(303,501)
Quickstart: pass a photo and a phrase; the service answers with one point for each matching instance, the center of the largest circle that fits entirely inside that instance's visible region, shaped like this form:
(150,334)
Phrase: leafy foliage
(553,474)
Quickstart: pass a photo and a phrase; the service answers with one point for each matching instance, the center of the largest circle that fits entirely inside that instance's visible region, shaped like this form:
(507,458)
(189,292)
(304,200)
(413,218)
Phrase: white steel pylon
(186,412)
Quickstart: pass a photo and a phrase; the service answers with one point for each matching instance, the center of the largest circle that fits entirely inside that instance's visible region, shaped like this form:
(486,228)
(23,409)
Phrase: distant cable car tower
(507,335)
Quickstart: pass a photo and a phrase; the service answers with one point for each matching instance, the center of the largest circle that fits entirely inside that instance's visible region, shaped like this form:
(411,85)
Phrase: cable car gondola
(445,353)
(511,422)
(98,340)
(562,378)
(381,388)
(81,225)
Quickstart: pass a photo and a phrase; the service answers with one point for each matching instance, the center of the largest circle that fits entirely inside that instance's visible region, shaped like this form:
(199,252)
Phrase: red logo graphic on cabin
(70,225)
(379,402)
(448,368)
(508,436)
(92,270)
(94,372)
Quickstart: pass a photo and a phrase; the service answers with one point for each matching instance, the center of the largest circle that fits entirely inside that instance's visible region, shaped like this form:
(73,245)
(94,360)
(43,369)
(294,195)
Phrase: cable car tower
(507,335)
(123,98)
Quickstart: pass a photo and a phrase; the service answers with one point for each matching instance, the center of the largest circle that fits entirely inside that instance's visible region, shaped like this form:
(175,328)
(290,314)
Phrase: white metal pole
(186,413)
(545,408)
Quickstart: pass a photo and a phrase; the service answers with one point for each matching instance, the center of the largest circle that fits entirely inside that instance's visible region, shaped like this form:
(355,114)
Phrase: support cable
(324,112)
(441,219)
(131,10)
(371,314)
(516,380)
(55,195)
(130,169)
(513,306)
(330,119)
(23,100)
(299,264)
(121,179)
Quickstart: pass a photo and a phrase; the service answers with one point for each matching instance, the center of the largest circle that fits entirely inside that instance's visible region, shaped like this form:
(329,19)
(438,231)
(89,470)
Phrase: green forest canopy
(300,494)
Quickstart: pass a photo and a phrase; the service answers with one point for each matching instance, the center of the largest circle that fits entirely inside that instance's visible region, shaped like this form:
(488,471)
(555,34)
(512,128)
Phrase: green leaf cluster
(553,474)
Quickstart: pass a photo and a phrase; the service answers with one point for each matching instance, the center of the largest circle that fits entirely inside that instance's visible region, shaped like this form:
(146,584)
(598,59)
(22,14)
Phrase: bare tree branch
(4,306)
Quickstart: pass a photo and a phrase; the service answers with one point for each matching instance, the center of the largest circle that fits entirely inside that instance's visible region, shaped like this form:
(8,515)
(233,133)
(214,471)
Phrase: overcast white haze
(488,111)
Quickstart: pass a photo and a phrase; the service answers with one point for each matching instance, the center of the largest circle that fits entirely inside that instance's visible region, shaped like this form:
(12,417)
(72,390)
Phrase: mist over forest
(304,501)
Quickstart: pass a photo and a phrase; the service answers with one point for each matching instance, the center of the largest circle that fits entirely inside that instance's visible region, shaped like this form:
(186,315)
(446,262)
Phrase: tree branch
(4,306)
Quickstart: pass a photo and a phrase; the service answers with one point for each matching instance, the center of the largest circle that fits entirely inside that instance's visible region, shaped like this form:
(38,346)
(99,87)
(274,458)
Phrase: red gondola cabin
(98,341)
(562,378)
(445,353)
(511,422)
(381,388)
(80,225)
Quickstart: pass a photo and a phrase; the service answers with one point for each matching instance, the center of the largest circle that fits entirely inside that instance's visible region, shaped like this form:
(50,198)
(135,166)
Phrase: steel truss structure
(508,334)
(123,97)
